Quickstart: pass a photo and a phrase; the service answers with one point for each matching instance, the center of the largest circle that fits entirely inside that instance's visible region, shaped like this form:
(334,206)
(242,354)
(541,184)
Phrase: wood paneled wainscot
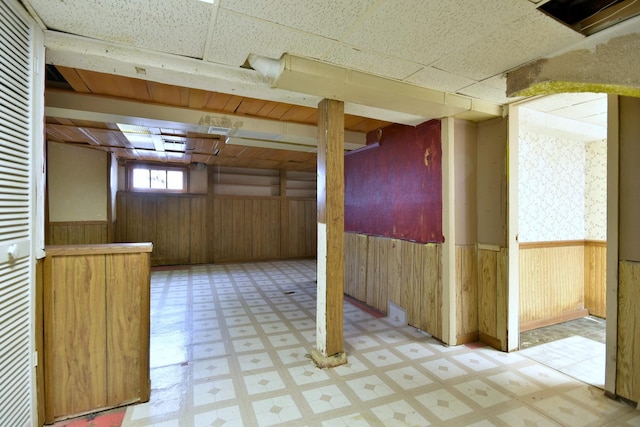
(77,233)
(595,277)
(492,295)
(466,293)
(96,327)
(380,269)
(628,375)
(198,229)
(560,281)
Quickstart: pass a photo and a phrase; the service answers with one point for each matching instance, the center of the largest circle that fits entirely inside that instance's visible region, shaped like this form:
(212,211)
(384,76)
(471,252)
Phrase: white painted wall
(77,182)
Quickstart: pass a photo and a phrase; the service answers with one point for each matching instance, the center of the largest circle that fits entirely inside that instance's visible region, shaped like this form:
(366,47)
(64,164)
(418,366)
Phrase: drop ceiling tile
(437,79)
(330,18)
(176,27)
(498,81)
(597,119)
(236,36)
(529,37)
(427,30)
(373,63)
(487,93)
(550,124)
(561,100)
(550,102)
(583,109)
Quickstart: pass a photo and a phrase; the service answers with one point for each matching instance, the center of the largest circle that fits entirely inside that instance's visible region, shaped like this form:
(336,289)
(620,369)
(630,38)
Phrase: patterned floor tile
(223,417)
(399,413)
(264,382)
(514,384)
(369,387)
(209,368)
(275,411)
(382,358)
(525,417)
(443,369)
(443,404)
(351,420)
(307,374)
(213,392)
(481,393)
(566,412)
(253,361)
(325,399)
(230,346)
(408,378)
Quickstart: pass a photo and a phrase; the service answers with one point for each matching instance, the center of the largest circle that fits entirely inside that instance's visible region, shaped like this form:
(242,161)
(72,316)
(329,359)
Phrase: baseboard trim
(467,338)
(564,317)
(488,339)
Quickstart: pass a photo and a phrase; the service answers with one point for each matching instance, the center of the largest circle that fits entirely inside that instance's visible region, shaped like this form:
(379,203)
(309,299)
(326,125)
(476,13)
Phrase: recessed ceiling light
(125,128)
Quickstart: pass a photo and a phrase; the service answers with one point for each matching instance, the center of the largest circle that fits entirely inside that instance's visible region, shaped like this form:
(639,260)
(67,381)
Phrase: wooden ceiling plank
(250,106)
(68,133)
(368,125)
(267,108)
(137,86)
(232,104)
(93,139)
(56,133)
(91,124)
(202,158)
(312,118)
(350,121)
(108,136)
(203,145)
(217,101)
(198,98)
(72,77)
(168,94)
(278,111)
(295,114)
(58,121)
(231,150)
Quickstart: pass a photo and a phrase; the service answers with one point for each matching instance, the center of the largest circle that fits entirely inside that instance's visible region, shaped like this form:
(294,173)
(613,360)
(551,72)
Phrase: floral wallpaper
(595,205)
(551,188)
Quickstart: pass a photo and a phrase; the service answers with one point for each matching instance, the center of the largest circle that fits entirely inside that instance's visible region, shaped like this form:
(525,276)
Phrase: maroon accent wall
(390,190)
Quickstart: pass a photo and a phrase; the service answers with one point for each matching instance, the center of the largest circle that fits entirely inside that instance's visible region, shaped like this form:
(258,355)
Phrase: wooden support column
(329,349)
(284,216)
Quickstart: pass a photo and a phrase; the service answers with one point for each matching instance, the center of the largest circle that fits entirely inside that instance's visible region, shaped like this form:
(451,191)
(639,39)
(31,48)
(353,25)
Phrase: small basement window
(172,179)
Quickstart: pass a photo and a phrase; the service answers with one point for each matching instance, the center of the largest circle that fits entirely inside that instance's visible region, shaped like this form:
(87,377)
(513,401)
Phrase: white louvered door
(17,139)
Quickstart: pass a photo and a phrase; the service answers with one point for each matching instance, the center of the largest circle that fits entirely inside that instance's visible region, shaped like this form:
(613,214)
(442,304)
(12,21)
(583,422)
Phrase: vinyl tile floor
(229,347)
(576,348)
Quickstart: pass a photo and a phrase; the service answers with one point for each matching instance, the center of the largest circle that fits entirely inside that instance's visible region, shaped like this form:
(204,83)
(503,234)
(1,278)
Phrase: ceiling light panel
(133,128)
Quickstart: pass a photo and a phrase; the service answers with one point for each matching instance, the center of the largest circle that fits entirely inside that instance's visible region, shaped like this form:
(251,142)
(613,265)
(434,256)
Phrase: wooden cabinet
(96,327)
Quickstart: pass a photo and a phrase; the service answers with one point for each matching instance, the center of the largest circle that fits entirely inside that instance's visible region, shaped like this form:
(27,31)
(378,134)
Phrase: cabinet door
(127,296)
(74,335)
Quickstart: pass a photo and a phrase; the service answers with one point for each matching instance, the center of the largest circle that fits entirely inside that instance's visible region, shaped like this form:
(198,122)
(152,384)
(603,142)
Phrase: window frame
(130,167)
